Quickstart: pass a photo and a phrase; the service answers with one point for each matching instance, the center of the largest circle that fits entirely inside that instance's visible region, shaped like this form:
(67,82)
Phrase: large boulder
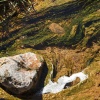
(21,73)
(56,28)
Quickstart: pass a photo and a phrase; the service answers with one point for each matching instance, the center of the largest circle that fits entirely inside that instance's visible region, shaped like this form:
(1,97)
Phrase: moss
(15,52)
(92,17)
(80,87)
(50,70)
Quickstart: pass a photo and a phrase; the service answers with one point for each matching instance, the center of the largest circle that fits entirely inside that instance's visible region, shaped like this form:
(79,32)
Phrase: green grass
(54,14)
(48,3)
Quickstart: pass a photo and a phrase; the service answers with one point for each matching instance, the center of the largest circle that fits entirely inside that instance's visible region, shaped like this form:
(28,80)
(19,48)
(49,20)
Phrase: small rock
(55,28)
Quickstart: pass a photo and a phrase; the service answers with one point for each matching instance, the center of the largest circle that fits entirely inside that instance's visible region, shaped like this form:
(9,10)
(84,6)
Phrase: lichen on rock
(20,73)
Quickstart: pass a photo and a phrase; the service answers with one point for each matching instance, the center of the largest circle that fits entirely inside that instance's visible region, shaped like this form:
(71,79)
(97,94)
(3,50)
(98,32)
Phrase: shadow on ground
(56,12)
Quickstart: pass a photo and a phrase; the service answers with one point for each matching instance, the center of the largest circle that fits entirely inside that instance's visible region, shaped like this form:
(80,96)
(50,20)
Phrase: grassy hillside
(77,49)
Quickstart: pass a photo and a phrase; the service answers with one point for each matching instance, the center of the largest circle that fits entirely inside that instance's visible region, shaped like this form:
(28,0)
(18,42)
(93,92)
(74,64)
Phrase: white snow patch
(55,87)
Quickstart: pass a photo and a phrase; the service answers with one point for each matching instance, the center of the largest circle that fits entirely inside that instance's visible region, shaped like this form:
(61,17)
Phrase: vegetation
(71,52)
(9,6)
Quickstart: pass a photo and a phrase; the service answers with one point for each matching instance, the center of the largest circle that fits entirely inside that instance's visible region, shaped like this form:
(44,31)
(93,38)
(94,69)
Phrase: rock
(21,73)
(55,28)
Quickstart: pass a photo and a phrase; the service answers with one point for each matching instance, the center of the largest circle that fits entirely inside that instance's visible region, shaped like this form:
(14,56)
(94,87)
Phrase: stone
(21,73)
(56,28)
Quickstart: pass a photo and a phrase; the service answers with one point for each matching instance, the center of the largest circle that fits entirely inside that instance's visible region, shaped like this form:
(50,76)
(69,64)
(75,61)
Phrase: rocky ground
(68,37)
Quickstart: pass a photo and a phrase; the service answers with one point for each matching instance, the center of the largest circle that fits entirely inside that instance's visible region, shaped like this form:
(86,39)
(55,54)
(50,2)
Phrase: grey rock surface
(21,73)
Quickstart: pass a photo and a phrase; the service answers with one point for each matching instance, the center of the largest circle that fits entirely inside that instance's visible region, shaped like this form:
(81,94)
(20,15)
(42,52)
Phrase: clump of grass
(44,4)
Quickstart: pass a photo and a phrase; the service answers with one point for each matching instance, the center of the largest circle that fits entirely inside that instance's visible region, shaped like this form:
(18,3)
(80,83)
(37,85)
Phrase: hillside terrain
(67,34)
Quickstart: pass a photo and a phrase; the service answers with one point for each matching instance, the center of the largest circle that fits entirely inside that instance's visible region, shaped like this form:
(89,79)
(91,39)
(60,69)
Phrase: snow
(55,87)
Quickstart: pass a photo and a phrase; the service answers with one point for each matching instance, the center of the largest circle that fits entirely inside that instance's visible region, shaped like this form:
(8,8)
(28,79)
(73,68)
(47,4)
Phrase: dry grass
(87,90)
(48,3)
(67,61)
